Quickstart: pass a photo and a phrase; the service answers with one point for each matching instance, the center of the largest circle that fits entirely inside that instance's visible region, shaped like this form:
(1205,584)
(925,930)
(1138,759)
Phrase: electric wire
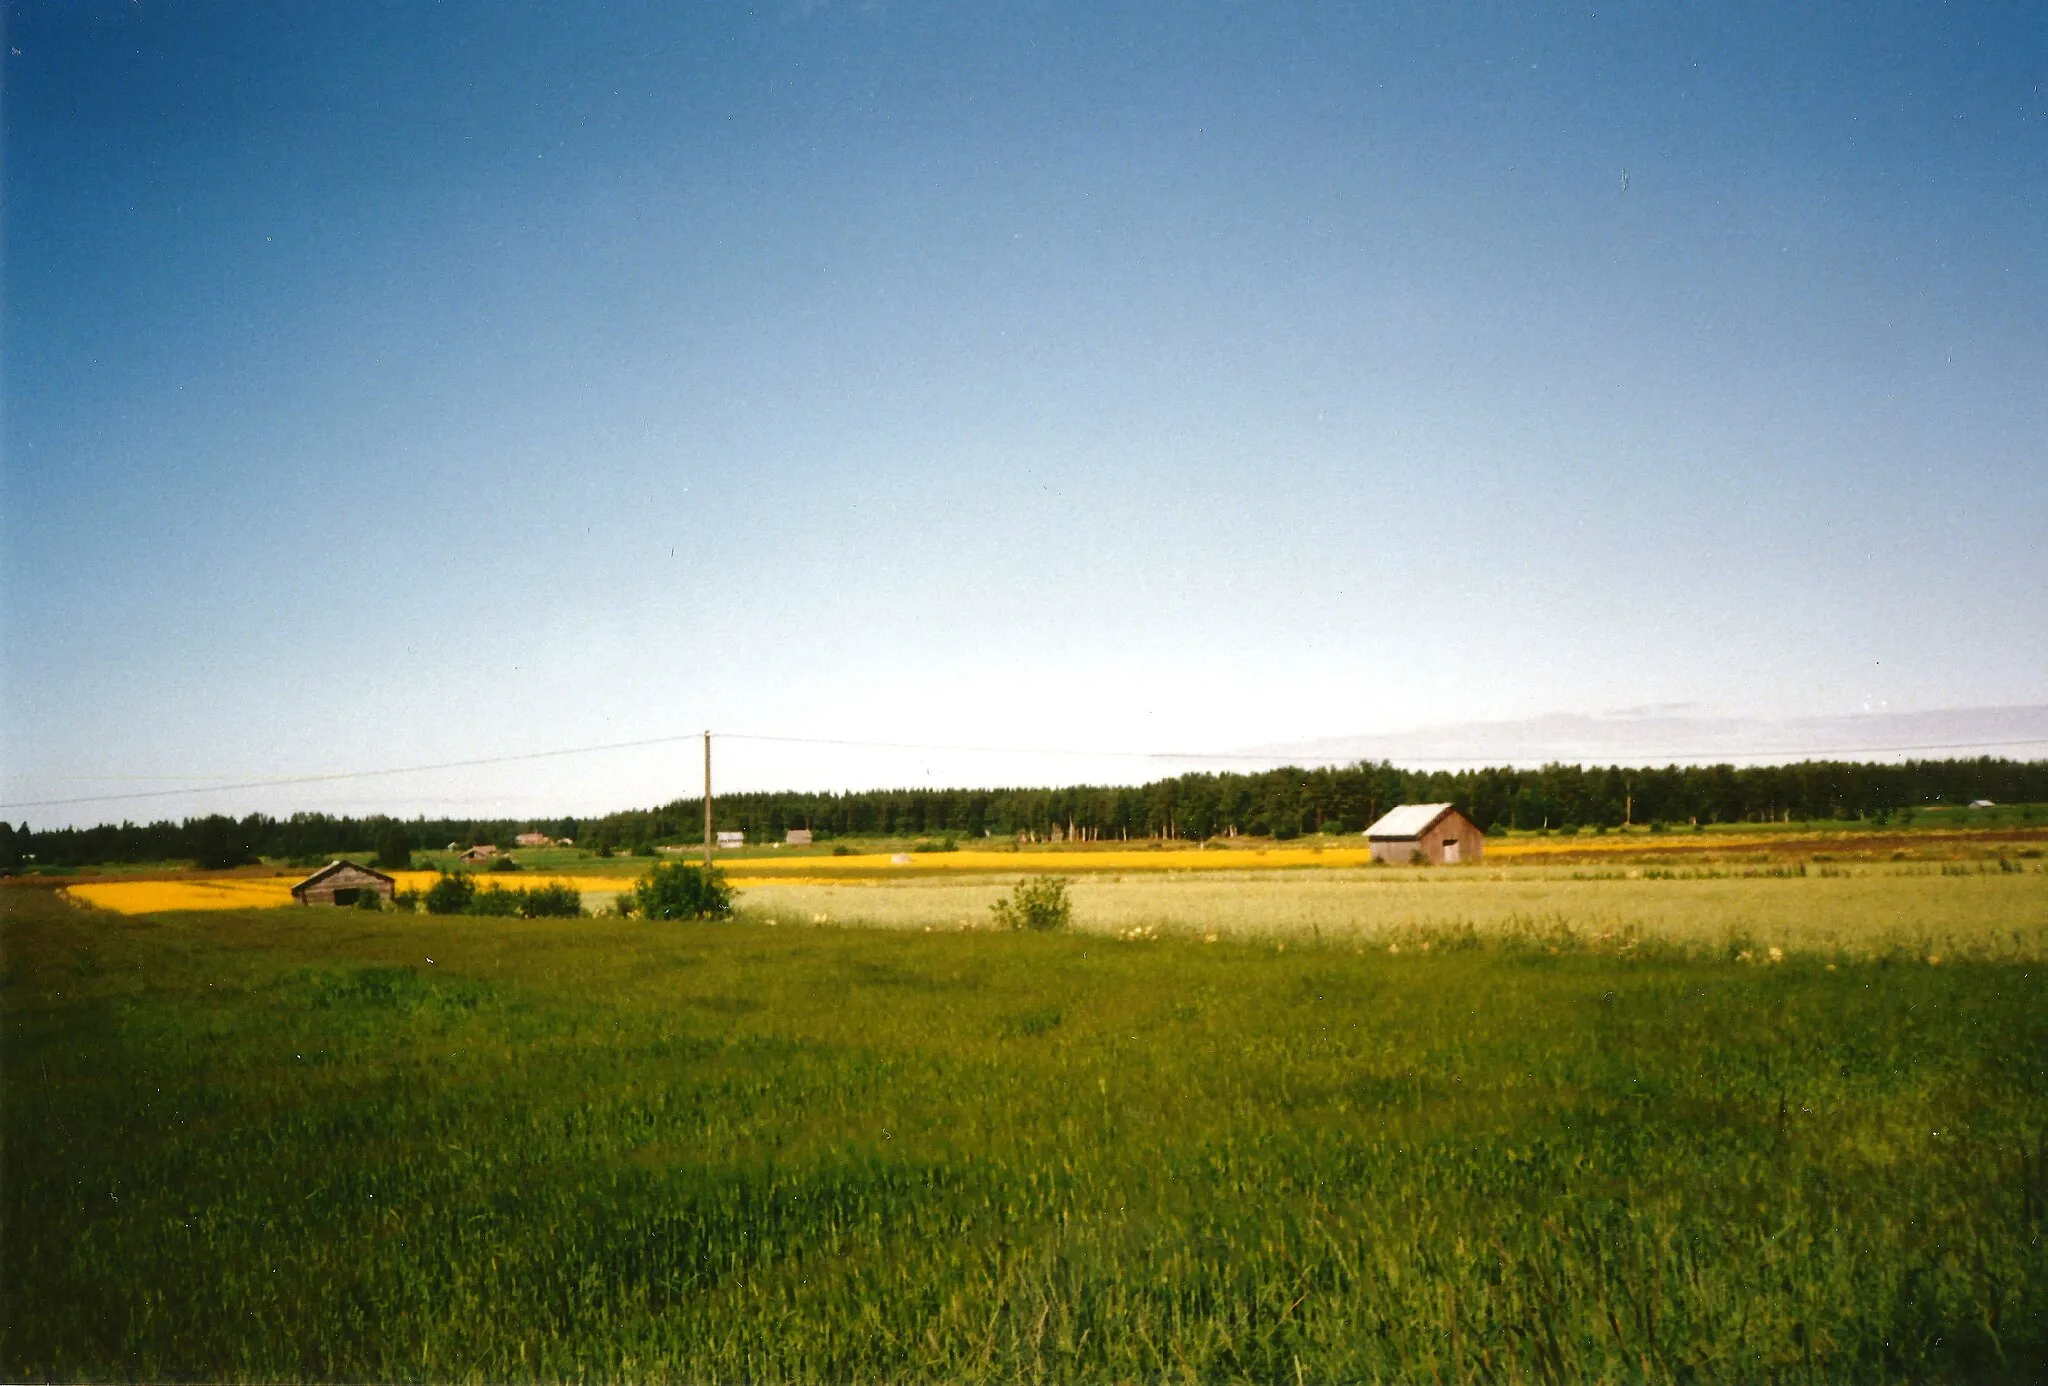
(1277,759)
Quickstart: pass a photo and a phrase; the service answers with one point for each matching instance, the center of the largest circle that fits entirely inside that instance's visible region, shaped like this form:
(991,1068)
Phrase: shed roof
(1409,820)
(333,866)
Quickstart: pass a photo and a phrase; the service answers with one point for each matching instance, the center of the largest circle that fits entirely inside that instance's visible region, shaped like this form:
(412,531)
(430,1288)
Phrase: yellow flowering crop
(247,893)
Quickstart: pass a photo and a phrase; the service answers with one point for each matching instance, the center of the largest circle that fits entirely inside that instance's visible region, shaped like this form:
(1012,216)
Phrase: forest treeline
(1281,803)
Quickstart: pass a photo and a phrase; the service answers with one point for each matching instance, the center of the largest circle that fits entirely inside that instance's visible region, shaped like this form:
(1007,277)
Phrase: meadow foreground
(324,1144)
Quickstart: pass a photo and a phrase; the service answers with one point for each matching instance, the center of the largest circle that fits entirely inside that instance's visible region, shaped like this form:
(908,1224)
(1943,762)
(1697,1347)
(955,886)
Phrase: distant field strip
(1950,911)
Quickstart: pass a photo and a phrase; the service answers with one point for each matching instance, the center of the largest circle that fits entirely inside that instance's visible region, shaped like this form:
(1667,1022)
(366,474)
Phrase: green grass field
(334,1145)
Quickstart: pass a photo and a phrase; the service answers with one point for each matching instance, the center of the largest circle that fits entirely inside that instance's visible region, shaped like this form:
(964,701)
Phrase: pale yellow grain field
(1914,911)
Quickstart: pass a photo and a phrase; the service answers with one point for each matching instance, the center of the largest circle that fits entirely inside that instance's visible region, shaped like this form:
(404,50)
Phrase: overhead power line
(1220,757)
(357,774)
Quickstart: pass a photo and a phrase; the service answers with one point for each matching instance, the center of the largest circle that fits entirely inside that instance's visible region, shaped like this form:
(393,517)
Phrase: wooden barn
(1439,833)
(342,883)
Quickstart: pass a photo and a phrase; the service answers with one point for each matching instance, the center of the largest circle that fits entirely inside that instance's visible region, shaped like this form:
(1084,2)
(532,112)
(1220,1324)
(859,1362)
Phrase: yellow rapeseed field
(244,893)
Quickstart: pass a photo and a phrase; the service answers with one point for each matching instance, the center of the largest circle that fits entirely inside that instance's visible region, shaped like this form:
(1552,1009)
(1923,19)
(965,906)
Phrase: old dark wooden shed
(342,883)
(1436,833)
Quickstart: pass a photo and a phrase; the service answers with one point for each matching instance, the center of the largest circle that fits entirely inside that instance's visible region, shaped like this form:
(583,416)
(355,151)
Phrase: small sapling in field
(1041,904)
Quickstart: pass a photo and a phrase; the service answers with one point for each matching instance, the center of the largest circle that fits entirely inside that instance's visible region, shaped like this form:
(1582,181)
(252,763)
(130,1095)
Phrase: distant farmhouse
(729,840)
(342,883)
(1435,833)
(534,840)
(481,853)
(797,837)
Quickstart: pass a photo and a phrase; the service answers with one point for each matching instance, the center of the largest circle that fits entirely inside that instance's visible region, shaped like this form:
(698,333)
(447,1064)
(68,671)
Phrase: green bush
(369,900)
(1040,904)
(539,902)
(553,902)
(673,890)
(451,894)
(497,902)
(1332,829)
(502,862)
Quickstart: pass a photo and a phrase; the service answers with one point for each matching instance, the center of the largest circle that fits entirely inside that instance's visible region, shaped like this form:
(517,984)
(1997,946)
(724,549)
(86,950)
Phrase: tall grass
(263,1145)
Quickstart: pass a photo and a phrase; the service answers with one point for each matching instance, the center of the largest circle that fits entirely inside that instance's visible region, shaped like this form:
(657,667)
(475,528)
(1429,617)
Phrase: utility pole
(707,798)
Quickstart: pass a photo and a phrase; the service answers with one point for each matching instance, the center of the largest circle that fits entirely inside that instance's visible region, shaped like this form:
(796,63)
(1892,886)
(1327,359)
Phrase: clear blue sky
(391,383)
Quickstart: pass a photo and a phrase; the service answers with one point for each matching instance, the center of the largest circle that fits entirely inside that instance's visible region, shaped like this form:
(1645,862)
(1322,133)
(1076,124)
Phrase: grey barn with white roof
(1435,833)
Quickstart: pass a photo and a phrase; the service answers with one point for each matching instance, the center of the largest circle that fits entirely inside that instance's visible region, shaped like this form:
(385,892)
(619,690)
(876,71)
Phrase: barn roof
(333,866)
(1409,820)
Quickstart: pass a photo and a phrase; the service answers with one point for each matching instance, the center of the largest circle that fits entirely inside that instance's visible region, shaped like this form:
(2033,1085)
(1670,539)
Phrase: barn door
(1450,851)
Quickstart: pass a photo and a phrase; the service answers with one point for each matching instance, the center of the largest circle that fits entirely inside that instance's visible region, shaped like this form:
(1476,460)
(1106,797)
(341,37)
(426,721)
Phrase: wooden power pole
(707,799)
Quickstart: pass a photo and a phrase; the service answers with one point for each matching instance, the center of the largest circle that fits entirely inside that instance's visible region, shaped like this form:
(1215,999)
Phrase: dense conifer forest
(1282,803)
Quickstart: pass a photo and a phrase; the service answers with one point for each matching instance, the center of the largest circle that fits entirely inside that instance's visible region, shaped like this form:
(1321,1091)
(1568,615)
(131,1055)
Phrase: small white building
(797,837)
(729,840)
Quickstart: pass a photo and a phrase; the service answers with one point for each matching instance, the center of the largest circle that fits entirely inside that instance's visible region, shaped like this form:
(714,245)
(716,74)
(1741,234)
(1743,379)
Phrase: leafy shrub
(502,862)
(369,900)
(1332,829)
(840,849)
(553,902)
(643,849)
(451,894)
(673,890)
(604,849)
(1040,904)
(539,902)
(407,901)
(497,901)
